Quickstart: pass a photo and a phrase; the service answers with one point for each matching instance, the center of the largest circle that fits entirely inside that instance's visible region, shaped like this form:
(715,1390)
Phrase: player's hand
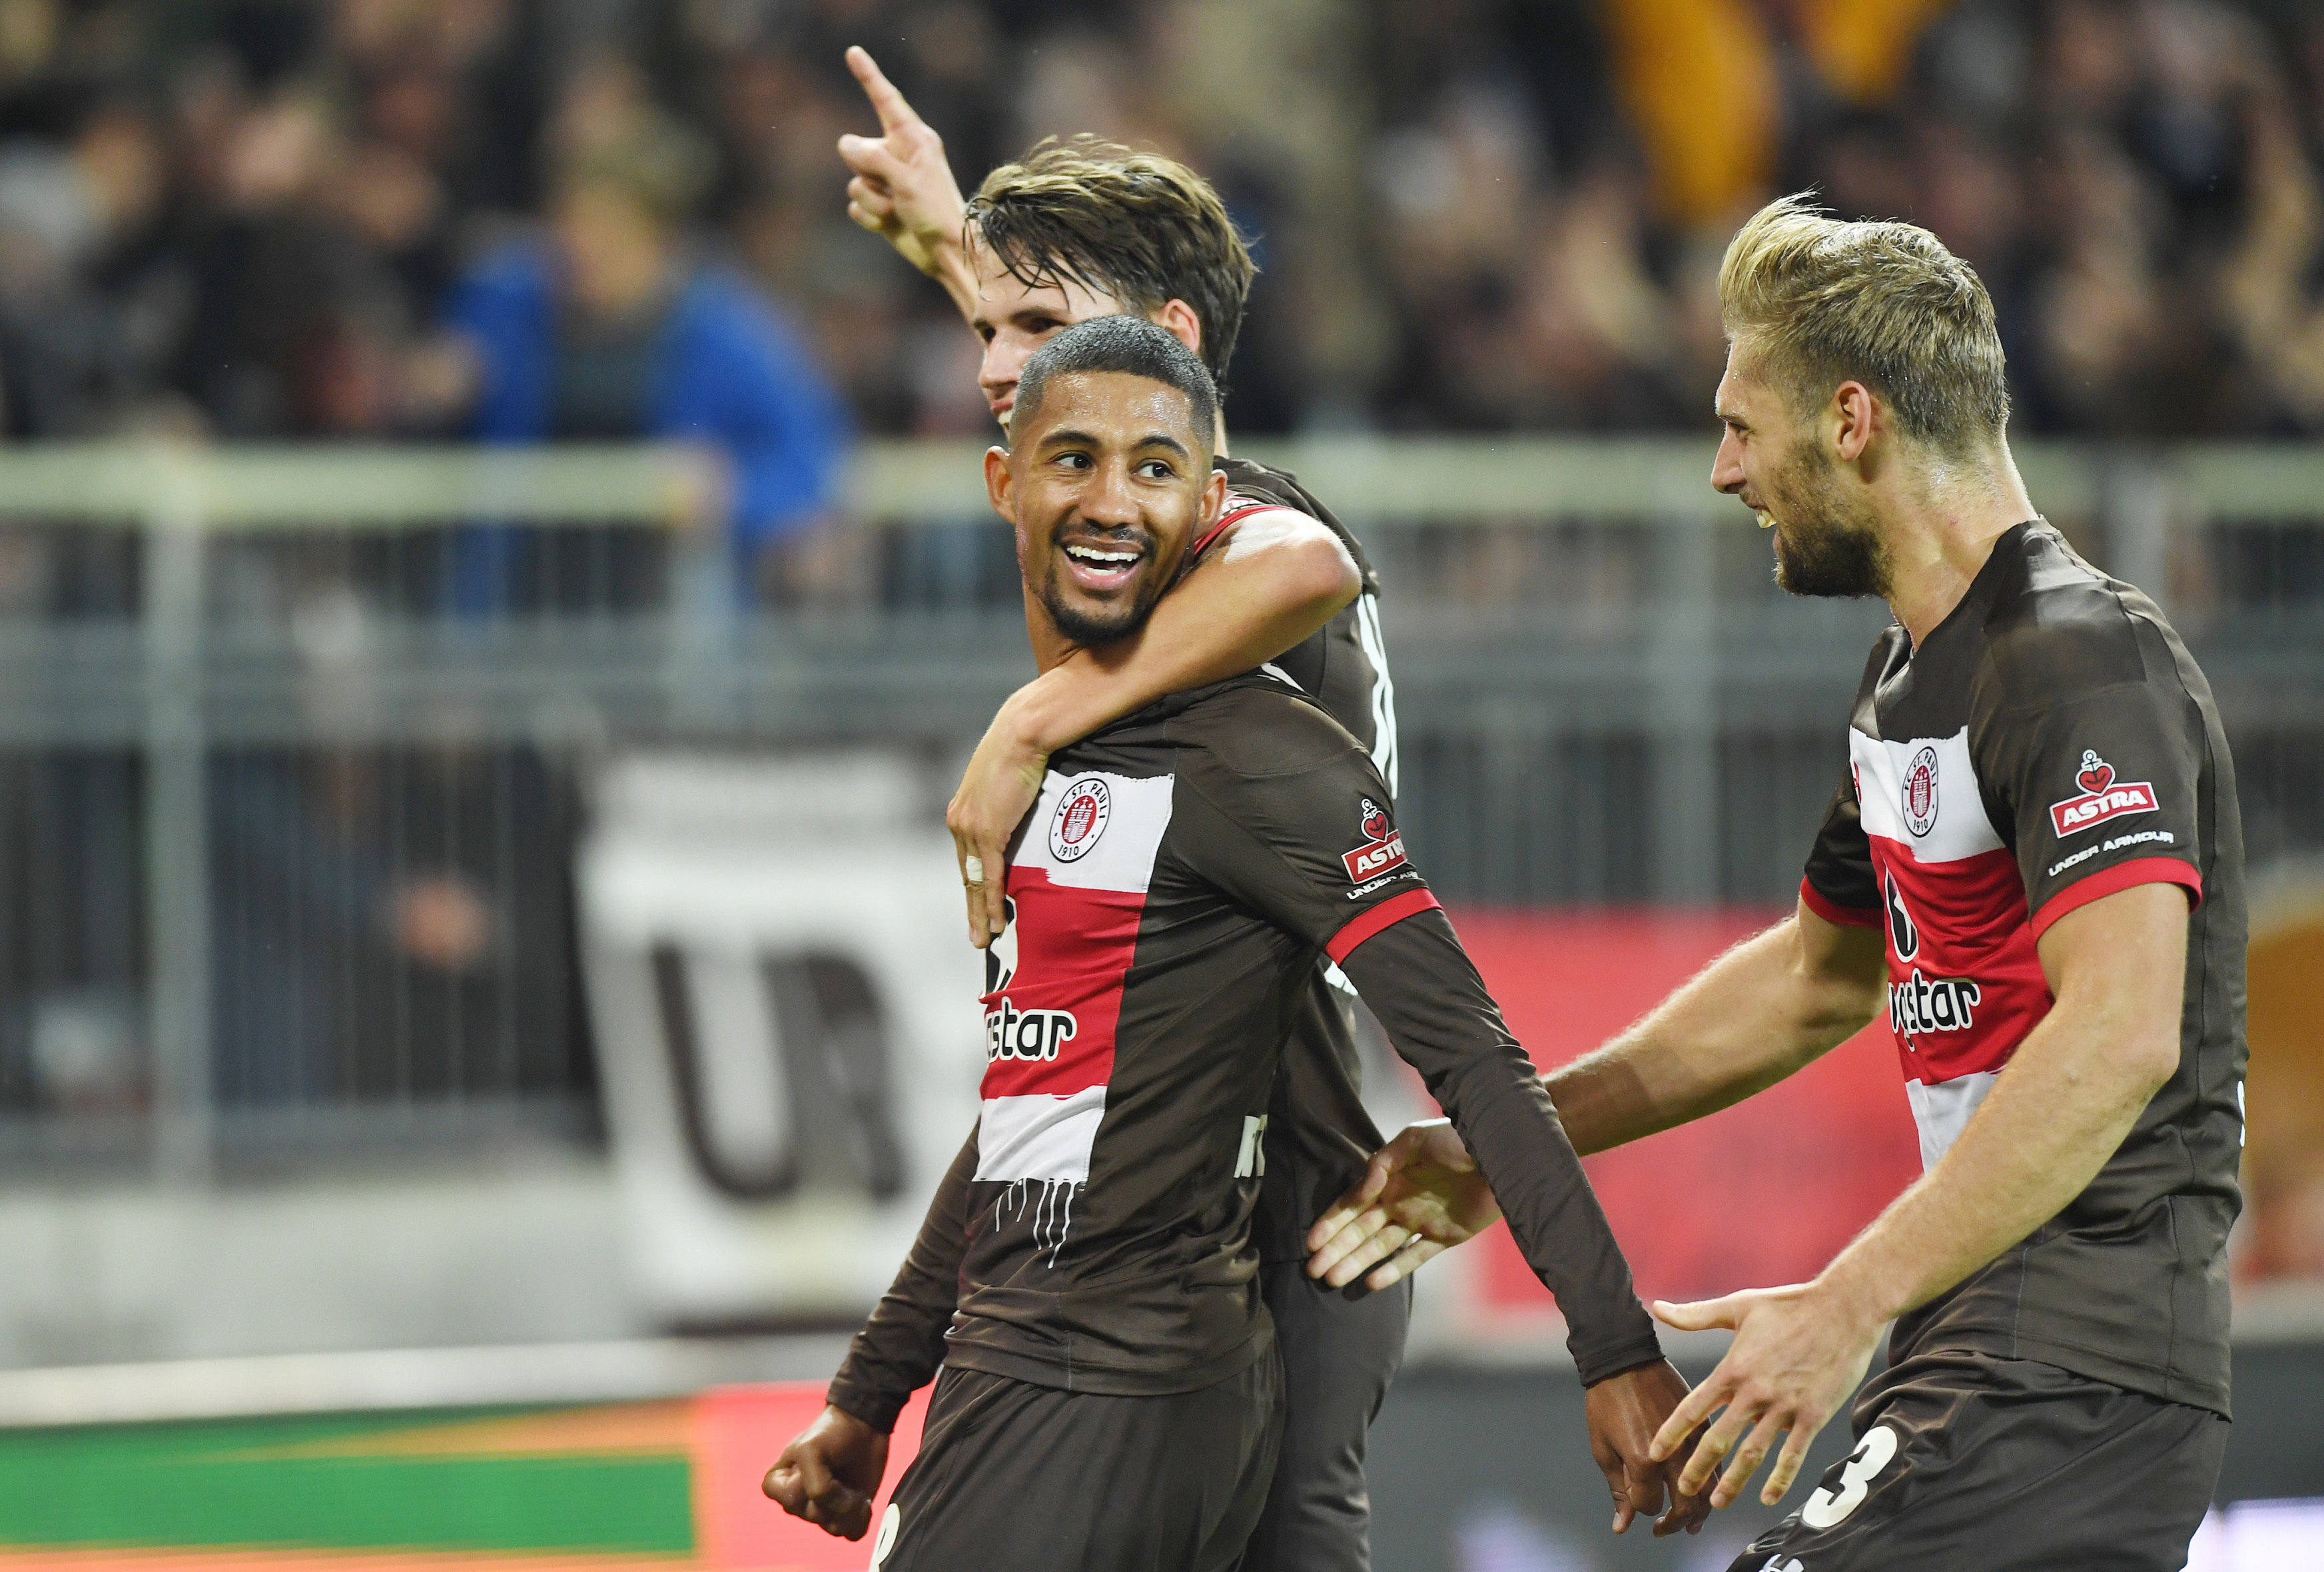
(1623,1411)
(1420,1196)
(903,187)
(997,790)
(830,1472)
(1798,1353)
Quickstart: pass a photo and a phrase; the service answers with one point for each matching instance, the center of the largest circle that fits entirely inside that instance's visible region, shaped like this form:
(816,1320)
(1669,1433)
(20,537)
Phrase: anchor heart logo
(2096,773)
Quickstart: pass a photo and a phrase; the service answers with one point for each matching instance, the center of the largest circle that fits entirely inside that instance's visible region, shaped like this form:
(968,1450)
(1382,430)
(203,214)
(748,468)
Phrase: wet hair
(1141,228)
(1815,302)
(1130,345)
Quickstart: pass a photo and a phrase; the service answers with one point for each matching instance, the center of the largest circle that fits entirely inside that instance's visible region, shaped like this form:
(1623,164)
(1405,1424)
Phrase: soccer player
(1111,1391)
(2036,866)
(1072,232)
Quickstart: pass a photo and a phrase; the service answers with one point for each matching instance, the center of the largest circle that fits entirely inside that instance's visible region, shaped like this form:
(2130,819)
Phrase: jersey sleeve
(1839,885)
(900,1347)
(1307,843)
(2101,788)
(1433,1006)
(1284,811)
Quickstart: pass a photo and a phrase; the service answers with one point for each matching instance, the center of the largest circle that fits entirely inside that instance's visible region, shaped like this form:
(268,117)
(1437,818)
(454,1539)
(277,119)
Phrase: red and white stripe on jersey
(1050,1024)
(1246,509)
(1965,982)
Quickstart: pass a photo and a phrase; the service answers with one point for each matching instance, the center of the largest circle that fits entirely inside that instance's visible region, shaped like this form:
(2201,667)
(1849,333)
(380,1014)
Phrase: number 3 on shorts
(1828,1508)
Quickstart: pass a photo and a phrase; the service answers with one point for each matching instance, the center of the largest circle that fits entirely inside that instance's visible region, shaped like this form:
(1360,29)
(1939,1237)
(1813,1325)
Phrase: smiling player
(1073,231)
(1112,1396)
(2034,867)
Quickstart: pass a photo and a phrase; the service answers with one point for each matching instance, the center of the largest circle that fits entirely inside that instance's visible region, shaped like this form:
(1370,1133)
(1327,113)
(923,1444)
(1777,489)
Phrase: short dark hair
(1139,226)
(1131,344)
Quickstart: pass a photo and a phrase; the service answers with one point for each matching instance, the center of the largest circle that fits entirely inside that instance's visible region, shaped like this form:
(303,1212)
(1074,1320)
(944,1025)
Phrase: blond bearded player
(2036,869)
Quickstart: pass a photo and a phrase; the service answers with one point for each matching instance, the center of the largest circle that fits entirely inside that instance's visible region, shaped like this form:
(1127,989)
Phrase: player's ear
(1183,322)
(1001,483)
(1214,501)
(1853,407)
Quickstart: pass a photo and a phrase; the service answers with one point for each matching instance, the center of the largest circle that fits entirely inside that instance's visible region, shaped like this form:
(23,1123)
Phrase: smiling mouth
(1102,569)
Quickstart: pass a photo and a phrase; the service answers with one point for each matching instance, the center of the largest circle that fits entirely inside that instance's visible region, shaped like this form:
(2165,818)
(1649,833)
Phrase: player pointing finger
(903,187)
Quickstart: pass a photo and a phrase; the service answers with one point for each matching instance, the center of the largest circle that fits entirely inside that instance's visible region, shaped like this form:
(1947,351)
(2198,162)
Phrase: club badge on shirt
(2102,798)
(1383,847)
(1079,819)
(1920,792)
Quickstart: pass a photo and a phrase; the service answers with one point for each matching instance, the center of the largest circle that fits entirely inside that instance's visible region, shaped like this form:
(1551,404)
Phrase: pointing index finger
(889,103)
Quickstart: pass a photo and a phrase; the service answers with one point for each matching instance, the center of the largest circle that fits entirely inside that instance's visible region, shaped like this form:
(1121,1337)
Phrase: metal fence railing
(293,743)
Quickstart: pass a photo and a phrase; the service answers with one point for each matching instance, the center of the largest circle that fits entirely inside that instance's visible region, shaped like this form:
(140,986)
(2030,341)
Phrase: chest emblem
(1079,819)
(2102,797)
(1920,792)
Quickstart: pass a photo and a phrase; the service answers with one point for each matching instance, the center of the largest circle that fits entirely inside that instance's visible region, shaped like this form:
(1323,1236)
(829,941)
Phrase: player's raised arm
(903,189)
(1266,583)
(1768,1007)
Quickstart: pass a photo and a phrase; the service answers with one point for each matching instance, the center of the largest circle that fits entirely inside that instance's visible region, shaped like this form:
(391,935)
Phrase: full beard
(1822,547)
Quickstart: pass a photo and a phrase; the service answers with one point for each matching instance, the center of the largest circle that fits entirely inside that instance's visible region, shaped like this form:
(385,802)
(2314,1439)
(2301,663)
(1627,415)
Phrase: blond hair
(1818,302)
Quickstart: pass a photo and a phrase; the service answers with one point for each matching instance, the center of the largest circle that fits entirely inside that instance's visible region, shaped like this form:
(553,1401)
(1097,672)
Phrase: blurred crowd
(580,218)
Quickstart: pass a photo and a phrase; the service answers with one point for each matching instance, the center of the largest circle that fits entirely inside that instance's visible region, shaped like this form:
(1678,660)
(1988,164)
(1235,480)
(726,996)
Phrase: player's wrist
(1854,1292)
(874,1413)
(1054,710)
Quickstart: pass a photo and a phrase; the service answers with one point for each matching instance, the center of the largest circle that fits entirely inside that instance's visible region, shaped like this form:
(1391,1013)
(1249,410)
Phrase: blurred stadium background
(479,991)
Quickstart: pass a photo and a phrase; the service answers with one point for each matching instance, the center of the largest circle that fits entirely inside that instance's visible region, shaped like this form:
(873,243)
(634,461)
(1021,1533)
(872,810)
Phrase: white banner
(786,1015)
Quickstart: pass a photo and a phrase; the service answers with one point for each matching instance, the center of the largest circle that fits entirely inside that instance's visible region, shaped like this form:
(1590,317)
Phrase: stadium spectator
(1429,189)
(611,330)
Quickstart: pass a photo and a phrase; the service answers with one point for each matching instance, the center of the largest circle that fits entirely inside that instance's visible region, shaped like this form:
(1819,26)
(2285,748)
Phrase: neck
(1051,648)
(1941,530)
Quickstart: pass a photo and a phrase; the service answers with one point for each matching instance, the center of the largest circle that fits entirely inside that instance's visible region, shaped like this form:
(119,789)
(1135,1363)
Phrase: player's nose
(1727,467)
(1107,497)
(997,371)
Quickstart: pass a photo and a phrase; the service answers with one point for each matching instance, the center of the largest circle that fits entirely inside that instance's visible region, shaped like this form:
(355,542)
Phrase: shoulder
(2056,629)
(1254,727)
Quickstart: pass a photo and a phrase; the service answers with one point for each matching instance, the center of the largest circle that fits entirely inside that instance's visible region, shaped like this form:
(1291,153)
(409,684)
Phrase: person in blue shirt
(610,330)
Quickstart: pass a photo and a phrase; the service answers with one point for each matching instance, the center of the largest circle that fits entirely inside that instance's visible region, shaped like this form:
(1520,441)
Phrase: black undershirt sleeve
(1428,997)
(902,1345)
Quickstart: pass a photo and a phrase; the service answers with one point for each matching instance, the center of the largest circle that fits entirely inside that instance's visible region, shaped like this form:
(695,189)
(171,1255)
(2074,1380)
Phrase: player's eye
(1157,469)
(1072,460)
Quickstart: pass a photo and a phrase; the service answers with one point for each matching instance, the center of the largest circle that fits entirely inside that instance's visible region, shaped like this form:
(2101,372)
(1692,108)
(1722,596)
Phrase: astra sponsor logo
(1383,847)
(2102,798)
(1026,1034)
(1919,1005)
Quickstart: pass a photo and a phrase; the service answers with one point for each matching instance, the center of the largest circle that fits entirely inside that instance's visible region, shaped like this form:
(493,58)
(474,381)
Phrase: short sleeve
(1839,885)
(2102,789)
(1304,831)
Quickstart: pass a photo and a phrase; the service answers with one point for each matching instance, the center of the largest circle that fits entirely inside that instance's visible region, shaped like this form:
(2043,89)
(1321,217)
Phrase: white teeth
(1107,558)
